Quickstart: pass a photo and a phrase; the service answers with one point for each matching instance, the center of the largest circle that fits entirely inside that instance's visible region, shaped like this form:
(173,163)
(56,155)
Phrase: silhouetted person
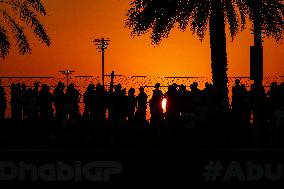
(157,90)
(273,99)
(32,105)
(124,108)
(87,98)
(257,101)
(141,106)
(36,93)
(23,100)
(16,108)
(59,100)
(239,104)
(131,105)
(156,109)
(71,103)
(116,108)
(172,109)
(99,104)
(182,95)
(277,119)
(3,103)
(237,97)
(45,102)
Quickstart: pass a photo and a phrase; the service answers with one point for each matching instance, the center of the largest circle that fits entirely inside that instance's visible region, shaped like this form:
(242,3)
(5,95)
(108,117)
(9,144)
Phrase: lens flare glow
(164,104)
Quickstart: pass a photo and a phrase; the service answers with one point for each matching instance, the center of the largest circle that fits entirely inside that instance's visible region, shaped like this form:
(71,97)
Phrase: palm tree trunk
(259,128)
(258,43)
(219,54)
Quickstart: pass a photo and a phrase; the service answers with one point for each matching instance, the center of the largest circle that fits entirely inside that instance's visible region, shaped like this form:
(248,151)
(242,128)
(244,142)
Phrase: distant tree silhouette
(159,17)
(15,17)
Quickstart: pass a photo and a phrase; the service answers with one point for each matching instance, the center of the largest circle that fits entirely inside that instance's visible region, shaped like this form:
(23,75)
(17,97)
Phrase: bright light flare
(164,104)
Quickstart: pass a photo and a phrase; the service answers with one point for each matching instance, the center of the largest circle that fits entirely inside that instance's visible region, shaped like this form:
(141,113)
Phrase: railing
(81,83)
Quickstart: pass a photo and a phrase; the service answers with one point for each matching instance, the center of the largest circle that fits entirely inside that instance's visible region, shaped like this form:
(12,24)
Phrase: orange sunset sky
(74,24)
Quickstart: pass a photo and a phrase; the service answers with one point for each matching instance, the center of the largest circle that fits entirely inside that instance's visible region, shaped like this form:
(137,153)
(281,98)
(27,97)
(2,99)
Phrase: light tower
(102,45)
(67,73)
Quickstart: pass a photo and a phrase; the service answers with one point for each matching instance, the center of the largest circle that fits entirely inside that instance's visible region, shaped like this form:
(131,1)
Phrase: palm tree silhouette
(267,18)
(160,16)
(15,17)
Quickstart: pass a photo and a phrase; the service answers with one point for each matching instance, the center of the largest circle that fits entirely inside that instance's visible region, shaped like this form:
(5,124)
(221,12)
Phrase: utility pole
(102,45)
(67,73)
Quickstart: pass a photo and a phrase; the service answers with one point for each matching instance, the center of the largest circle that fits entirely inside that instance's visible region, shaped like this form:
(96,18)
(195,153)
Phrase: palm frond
(157,15)
(272,18)
(4,42)
(184,12)
(19,35)
(200,16)
(28,17)
(232,18)
(37,5)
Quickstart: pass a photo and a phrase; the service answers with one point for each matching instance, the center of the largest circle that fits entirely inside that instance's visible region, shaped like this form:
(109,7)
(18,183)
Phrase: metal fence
(148,82)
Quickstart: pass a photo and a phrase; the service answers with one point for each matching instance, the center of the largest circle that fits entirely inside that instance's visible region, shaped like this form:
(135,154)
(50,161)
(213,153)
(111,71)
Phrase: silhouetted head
(141,89)
(157,85)
(72,85)
(182,87)
(18,86)
(174,85)
(61,85)
(36,84)
(273,85)
(123,91)
(207,85)
(131,91)
(91,87)
(98,86)
(45,87)
(193,86)
(118,87)
(237,82)
(24,85)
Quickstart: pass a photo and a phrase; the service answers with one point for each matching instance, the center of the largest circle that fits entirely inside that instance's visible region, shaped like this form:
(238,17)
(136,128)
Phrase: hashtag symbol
(212,171)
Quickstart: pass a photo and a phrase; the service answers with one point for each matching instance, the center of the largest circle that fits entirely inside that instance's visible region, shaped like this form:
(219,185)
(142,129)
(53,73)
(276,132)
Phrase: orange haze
(74,24)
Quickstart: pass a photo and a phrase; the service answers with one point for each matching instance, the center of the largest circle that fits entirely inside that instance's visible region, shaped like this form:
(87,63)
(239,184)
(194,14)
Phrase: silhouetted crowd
(182,107)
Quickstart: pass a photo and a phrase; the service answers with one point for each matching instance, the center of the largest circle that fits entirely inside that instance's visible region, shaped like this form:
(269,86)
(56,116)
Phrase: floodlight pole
(67,73)
(102,45)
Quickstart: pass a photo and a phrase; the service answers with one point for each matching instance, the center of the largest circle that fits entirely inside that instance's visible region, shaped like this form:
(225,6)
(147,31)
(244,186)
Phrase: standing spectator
(156,109)
(3,103)
(45,103)
(59,100)
(87,98)
(142,106)
(131,104)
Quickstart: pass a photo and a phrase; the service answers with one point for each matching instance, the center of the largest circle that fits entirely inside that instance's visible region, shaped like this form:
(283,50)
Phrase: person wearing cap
(157,90)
